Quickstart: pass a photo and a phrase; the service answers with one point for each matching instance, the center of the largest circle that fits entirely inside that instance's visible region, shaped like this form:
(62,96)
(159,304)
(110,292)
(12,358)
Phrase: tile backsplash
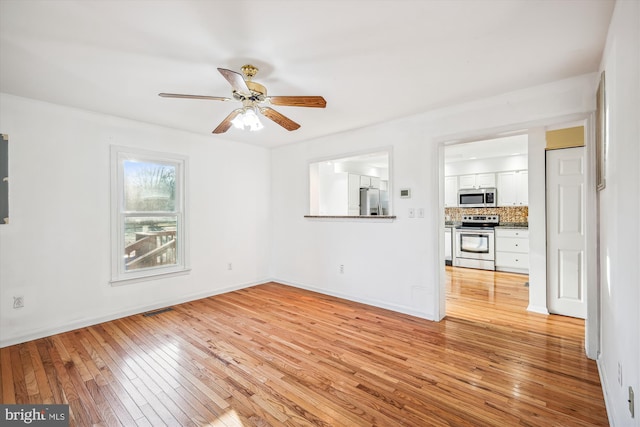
(518,214)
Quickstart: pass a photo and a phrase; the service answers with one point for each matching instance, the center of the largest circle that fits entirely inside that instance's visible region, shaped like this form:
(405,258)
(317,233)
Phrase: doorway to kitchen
(486,220)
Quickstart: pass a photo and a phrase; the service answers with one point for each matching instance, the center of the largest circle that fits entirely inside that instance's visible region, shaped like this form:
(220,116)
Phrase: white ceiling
(372,60)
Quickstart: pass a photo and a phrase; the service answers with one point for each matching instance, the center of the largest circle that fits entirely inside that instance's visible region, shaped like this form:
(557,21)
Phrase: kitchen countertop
(502,224)
(513,225)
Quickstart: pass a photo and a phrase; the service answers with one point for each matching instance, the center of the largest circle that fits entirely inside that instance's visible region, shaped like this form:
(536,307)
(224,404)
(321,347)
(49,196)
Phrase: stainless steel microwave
(478,198)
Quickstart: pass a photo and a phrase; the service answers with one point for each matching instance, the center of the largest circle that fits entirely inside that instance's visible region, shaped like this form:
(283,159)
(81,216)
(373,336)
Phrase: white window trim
(119,276)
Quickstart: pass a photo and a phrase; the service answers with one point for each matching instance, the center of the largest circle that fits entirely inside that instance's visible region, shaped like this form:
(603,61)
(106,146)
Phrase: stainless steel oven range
(475,242)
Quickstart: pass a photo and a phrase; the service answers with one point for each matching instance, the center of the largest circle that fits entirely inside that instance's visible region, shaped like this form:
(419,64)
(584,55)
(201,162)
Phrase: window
(148,214)
(355,185)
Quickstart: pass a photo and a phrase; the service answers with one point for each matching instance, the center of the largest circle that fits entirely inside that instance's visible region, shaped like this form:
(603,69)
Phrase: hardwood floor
(276,355)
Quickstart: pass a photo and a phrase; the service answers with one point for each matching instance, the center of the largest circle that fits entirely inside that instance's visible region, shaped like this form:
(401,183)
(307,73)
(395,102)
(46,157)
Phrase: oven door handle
(481,251)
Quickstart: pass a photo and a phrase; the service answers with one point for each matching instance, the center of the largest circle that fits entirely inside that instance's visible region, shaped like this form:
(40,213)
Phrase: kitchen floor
(494,294)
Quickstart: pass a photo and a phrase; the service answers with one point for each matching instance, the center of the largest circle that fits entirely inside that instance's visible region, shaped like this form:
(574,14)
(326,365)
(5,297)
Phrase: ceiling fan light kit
(247,119)
(253,96)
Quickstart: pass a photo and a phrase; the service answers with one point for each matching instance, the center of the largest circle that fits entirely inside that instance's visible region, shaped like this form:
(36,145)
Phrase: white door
(566,232)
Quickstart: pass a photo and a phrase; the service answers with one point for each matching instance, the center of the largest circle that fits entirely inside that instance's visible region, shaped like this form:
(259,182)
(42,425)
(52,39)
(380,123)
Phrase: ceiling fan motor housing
(256,88)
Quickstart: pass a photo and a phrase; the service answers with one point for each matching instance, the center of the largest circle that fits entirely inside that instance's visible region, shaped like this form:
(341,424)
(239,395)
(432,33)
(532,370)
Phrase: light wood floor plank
(273,355)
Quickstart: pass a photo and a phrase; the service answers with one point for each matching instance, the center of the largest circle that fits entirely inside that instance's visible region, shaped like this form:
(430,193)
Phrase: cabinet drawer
(513,232)
(512,260)
(511,244)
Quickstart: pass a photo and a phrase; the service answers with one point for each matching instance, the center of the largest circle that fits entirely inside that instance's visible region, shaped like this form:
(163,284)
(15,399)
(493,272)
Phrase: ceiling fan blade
(283,121)
(179,95)
(226,123)
(235,80)
(299,101)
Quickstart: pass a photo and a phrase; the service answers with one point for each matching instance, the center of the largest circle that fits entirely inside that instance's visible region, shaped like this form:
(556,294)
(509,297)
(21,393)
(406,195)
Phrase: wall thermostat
(405,193)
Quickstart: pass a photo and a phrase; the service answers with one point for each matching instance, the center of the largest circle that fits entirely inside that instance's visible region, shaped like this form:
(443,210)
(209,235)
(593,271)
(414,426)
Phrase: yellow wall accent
(565,138)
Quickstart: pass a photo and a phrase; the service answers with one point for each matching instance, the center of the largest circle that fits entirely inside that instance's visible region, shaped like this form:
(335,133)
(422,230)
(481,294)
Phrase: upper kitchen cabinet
(369,182)
(450,191)
(513,188)
(481,180)
(523,188)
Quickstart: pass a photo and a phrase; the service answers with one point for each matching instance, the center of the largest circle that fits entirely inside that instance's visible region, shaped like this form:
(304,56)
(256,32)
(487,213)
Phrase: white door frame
(592,218)
(592,324)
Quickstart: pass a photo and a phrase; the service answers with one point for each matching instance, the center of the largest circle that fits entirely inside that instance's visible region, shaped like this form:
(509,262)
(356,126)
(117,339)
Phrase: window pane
(149,242)
(149,187)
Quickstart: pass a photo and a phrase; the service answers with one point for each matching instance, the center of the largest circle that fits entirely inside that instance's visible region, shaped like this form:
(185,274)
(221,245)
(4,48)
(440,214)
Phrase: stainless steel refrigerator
(373,202)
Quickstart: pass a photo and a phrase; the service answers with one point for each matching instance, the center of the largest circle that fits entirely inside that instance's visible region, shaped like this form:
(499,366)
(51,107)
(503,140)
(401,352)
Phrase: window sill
(358,218)
(145,278)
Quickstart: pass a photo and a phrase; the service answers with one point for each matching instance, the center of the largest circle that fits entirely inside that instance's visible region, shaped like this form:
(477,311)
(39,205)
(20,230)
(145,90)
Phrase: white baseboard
(610,407)
(537,309)
(375,303)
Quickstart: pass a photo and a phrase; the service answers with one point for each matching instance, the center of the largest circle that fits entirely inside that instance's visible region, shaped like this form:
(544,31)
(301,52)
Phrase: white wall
(56,249)
(397,265)
(308,253)
(619,207)
(537,221)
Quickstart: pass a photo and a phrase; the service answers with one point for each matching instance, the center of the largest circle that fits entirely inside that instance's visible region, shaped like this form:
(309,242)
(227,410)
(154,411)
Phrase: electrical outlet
(18,302)
(412,213)
(420,212)
(230,266)
(341,268)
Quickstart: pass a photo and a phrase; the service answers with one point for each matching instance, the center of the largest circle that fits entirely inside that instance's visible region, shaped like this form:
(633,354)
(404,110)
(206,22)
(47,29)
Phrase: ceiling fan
(254,100)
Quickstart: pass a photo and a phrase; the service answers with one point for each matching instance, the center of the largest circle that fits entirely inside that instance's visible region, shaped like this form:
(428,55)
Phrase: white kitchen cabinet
(448,246)
(466,181)
(365,181)
(486,180)
(450,191)
(375,182)
(507,188)
(513,188)
(480,180)
(512,250)
(523,188)
(354,195)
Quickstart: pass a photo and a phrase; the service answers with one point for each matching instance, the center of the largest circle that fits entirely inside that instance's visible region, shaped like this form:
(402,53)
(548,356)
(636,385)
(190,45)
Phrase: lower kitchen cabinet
(448,246)
(512,250)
